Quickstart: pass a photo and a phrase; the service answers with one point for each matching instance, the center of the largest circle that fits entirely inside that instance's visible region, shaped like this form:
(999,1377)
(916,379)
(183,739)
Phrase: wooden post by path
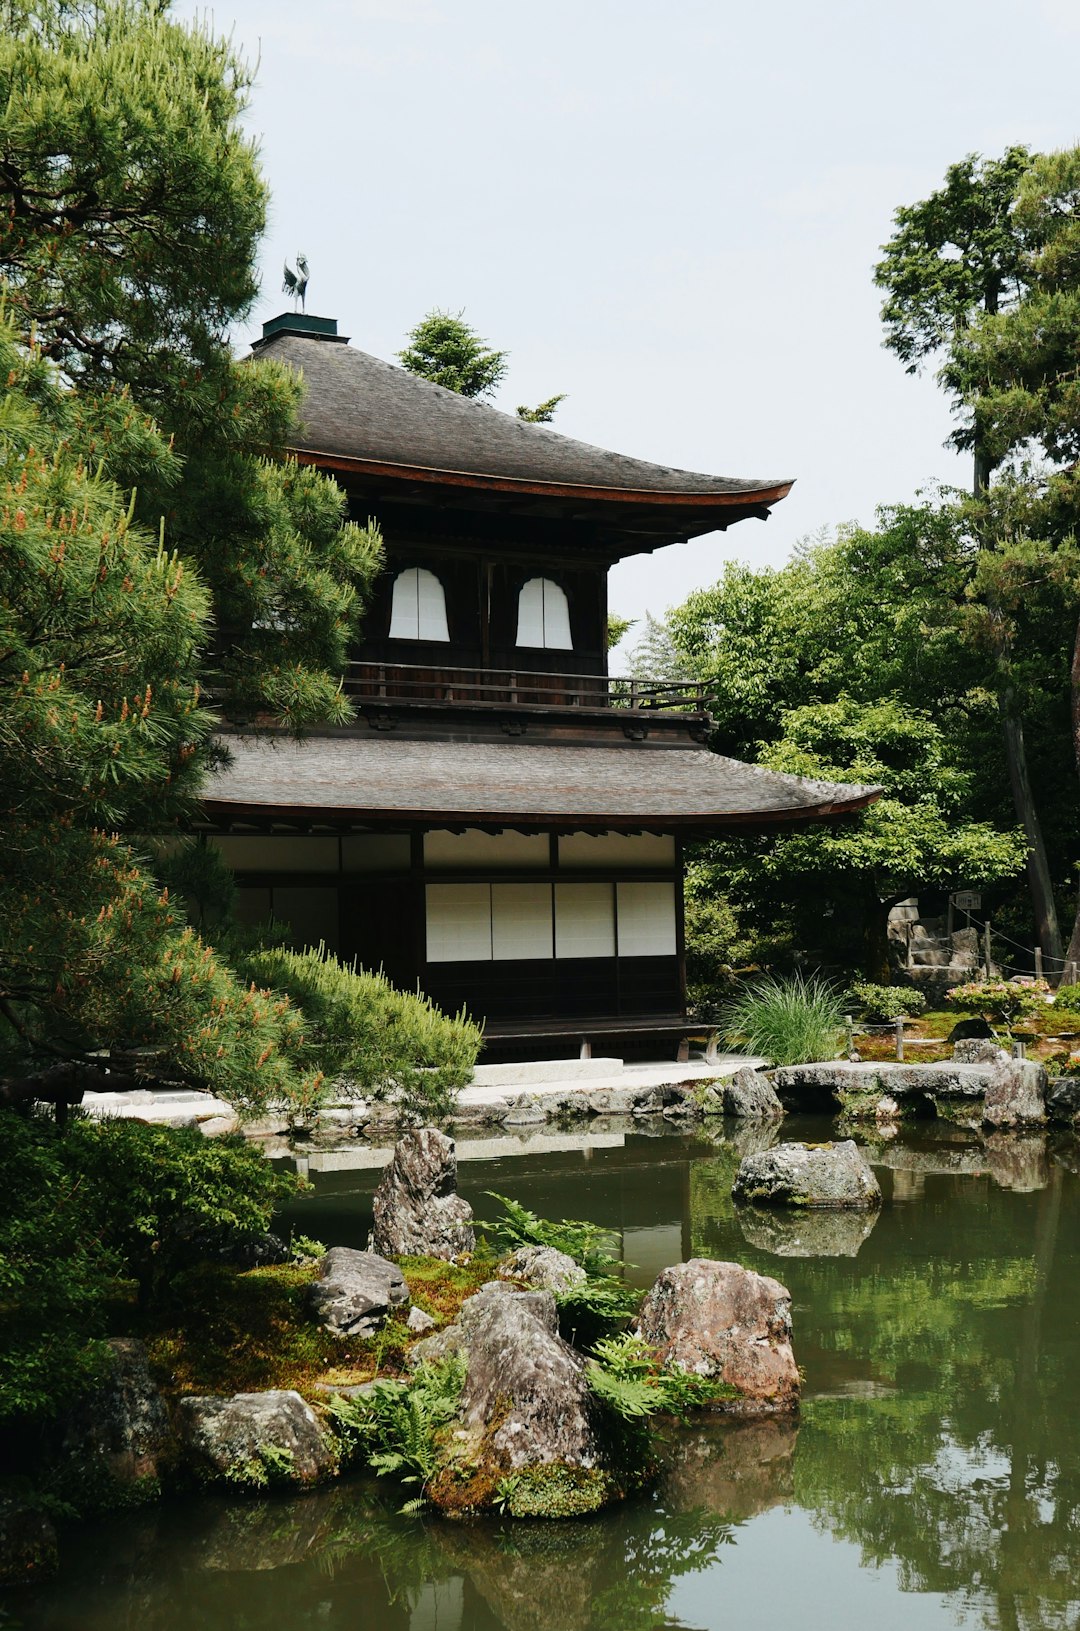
(1038,963)
(986,948)
(900,1038)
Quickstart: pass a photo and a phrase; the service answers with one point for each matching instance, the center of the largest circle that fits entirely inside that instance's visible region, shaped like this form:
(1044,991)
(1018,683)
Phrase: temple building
(503,825)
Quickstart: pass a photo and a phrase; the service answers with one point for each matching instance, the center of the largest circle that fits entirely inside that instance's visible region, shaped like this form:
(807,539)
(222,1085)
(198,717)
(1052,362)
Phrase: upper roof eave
(744,498)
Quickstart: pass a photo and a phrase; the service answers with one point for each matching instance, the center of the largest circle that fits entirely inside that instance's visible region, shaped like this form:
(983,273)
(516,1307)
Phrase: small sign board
(967,900)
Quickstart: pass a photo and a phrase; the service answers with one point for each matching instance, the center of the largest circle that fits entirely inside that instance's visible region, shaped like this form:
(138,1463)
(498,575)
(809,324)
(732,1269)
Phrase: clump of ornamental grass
(791,1021)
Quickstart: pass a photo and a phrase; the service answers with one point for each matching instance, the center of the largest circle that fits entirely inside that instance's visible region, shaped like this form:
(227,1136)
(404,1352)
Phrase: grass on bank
(243,1332)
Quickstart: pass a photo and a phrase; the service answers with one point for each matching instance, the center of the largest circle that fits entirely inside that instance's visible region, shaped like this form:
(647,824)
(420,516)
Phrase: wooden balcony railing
(500,688)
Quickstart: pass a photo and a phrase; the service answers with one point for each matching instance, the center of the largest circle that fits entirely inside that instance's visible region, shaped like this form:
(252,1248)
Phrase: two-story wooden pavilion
(503,824)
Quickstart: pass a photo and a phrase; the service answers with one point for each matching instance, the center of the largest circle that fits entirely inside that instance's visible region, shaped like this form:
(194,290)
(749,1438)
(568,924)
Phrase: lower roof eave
(220,813)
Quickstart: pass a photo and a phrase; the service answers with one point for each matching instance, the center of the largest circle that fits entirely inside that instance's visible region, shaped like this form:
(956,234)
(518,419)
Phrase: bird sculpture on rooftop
(296,282)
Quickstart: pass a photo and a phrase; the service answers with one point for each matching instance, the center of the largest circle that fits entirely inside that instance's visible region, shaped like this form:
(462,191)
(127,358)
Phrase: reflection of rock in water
(805,1233)
(265,1534)
(737,1470)
(603,1574)
(744,1138)
(1018,1160)
(534,1576)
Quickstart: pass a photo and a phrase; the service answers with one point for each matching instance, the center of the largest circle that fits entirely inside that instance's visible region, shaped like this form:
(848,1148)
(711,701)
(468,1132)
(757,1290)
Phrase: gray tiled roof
(385,777)
(359,408)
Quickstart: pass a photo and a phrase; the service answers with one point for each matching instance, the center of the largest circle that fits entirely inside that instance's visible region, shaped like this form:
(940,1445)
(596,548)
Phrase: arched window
(544,616)
(419,606)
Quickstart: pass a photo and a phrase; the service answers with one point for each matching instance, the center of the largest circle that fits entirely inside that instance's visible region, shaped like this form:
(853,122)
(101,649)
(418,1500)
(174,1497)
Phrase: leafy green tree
(134,200)
(101,728)
(128,246)
(954,255)
(957,261)
(444,349)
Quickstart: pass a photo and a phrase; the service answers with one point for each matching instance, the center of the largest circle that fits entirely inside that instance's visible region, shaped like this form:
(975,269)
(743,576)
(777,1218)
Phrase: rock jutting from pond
(1016,1095)
(255,1440)
(1063,1100)
(527,1420)
(418,1212)
(725,1322)
(807,1175)
(751,1097)
(354,1291)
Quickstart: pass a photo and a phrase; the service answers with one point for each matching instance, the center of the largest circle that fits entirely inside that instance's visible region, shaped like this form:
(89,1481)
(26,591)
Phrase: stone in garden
(807,1175)
(1063,1099)
(978,1050)
(542,1267)
(750,1096)
(1016,1096)
(354,1291)
(525,1397)
(418,1212)
(227,1439)
(419,1322)
(119,1433)
(726,1322)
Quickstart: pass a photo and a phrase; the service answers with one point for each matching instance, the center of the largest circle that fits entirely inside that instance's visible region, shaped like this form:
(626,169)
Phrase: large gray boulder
(255,1439)
(807,1175)
(114,1440)
(1016,1096)
(750,1096)
(726,1322)
(525,1391)
(354,1291)
(526,1413)
(418,1212)
(543,1268)
(978,1050)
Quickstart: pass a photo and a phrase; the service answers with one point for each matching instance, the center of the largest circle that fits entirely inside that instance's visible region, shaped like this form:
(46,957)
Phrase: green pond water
(932,1479)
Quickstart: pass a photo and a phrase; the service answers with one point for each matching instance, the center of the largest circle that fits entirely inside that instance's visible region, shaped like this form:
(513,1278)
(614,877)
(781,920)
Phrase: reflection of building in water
(438,1605)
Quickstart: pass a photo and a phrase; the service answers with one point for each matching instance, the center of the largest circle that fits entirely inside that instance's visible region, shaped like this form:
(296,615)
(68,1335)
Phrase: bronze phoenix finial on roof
(296,282)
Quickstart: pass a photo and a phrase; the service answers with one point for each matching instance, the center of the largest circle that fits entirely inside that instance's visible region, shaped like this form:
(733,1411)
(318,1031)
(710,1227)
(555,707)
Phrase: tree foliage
(446,350)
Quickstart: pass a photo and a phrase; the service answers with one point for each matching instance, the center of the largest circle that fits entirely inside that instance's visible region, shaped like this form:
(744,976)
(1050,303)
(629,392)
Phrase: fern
(625,1376)
(397,1426)
(594,1248)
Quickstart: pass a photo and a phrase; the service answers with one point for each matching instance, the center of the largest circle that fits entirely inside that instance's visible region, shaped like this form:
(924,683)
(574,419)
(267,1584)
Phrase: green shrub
(383,1042)
(887,1001)
(86,1209)
(999,999)
(625,1376)
(792,1021)
(1068,997)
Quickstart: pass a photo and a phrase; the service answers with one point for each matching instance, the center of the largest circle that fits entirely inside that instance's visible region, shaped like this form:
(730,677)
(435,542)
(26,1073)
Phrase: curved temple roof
(342,774)
(362,415)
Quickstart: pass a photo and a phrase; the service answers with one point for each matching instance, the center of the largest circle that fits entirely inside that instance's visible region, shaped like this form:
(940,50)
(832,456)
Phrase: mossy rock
(554,1491)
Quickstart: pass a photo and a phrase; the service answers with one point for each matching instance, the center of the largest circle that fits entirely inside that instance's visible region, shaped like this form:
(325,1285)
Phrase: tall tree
(956,258)
(128,241)
(446,350)
(1018,369)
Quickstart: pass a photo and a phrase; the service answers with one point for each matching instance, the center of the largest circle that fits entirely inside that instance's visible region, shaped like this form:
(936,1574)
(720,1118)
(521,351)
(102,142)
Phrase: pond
(932,1479)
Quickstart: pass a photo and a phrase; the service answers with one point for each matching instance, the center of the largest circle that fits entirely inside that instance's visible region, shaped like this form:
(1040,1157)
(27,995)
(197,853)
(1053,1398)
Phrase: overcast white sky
(669,211)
